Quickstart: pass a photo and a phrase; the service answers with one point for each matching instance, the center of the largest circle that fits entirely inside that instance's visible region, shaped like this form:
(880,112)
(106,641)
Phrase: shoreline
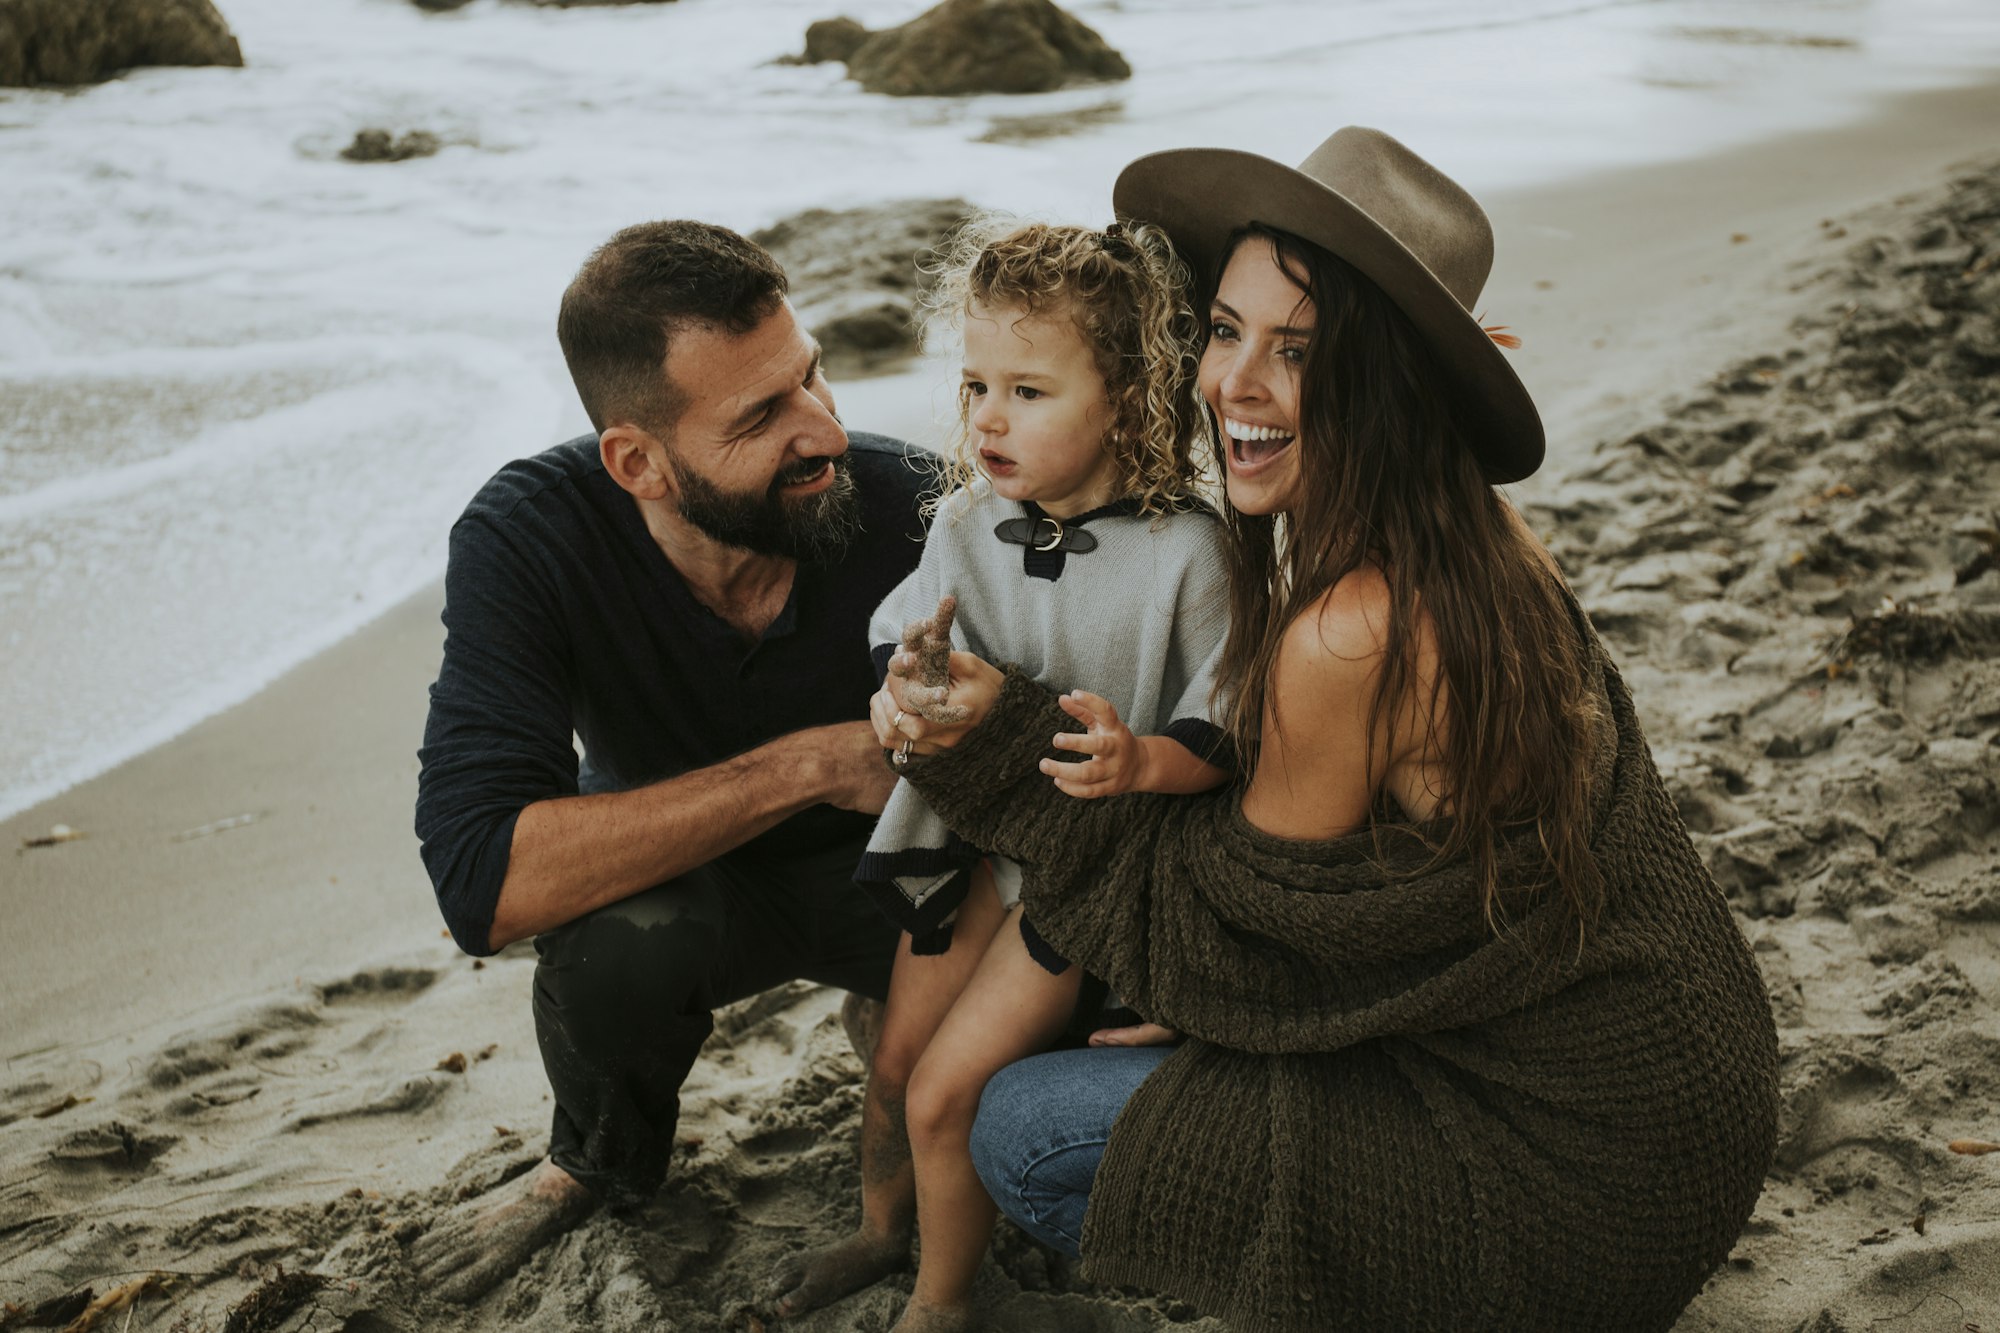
(1647,293)
(1789,558)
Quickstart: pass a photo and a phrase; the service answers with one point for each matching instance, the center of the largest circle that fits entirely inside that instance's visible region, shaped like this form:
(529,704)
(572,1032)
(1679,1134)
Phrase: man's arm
(575,854)
(511,846)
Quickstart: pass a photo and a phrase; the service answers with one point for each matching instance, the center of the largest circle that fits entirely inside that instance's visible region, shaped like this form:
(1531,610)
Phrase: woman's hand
(1116,761)
(1140,1034)
(975,685)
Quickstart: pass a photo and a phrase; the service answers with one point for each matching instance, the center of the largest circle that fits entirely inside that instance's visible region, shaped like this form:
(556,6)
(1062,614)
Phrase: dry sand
(229,1071)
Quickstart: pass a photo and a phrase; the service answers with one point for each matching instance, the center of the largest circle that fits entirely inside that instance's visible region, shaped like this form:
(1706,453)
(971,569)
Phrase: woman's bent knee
(1003,1140)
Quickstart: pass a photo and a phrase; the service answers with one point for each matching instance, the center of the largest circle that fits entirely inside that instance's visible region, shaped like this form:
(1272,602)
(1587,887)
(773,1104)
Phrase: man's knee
(649,956)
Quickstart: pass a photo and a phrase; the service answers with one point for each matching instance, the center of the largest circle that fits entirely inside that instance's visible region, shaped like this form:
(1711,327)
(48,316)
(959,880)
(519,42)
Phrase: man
(688,593)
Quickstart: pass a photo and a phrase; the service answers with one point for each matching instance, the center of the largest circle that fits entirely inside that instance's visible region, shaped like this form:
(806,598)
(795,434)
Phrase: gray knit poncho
(1386,1116)
(1138,619)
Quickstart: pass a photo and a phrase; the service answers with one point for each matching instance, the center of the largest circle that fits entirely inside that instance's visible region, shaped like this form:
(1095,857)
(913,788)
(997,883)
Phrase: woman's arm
(1312,780)
(1249,932)
(982,776)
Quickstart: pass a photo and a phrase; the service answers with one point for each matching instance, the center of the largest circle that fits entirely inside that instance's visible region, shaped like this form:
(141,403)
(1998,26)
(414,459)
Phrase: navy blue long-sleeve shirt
(562,616)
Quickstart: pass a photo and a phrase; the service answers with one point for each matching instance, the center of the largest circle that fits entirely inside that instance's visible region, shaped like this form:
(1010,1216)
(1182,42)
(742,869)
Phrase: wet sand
(231,1023)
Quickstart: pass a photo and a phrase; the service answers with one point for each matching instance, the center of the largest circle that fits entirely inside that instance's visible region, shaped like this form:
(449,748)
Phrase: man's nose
(820,435)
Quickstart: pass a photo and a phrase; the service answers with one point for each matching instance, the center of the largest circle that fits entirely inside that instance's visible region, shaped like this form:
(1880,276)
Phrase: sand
(239,1056)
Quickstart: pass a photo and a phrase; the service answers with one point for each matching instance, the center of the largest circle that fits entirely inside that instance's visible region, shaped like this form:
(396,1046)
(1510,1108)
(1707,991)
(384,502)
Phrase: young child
(1072,544)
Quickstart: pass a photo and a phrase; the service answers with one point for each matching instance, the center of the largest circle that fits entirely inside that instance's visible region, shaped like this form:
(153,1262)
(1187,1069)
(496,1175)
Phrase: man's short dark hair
(636,291)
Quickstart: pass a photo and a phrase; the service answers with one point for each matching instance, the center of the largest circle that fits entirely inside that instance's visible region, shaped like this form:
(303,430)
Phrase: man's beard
(815,528)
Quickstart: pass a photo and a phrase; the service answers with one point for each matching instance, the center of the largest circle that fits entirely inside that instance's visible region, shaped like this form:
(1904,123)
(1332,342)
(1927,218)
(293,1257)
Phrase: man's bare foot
(819,1277)
(477,1245)
(920,1318)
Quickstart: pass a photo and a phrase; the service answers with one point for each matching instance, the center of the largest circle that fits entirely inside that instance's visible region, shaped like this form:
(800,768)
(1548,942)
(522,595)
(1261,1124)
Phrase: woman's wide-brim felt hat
(1366,198)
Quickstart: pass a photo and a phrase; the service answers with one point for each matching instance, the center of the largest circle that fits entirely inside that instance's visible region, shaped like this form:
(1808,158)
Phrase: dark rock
(381,146)
(833,39)
(983,46)
(855,274)
(439,6)
(73,41)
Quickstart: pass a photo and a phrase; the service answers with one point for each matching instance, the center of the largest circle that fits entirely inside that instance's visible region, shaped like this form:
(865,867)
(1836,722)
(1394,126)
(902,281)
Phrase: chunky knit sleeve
(989,789)
(1207,924)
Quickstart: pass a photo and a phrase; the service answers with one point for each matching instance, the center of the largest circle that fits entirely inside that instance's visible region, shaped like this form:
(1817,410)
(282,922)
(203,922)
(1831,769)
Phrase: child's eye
(975,389)
(1027,393)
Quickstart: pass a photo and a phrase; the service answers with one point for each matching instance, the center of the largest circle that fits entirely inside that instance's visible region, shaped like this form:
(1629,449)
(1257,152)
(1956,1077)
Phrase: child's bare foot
(477,1245)
(919,1318)
(819,1277)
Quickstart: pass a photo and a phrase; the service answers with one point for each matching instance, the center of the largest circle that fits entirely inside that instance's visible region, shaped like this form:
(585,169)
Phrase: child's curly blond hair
(1126,292)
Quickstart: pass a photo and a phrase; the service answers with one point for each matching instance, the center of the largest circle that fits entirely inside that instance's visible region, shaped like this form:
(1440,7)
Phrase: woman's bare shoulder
(1344,628)
(1310,780)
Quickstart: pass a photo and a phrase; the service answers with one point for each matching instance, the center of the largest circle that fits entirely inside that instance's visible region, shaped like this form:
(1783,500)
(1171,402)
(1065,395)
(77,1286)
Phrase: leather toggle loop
(1044,534)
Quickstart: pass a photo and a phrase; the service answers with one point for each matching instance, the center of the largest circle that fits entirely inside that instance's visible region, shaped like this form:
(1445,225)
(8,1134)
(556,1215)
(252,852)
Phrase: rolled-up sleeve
(498,738)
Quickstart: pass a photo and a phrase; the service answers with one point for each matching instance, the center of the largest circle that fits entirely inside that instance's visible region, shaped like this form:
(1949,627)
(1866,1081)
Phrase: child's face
(1258,330)
(1038,410)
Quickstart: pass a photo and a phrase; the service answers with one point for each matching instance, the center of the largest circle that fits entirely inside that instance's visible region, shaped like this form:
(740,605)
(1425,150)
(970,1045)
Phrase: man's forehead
(724,374)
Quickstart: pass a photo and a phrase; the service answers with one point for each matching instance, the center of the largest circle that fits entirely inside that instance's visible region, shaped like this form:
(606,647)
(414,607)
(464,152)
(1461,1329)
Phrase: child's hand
(926,665)
(900,724)
(1117,760)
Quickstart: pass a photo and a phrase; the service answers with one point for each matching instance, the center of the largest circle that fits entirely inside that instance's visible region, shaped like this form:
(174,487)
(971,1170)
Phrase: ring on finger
(896,724)
(902,755)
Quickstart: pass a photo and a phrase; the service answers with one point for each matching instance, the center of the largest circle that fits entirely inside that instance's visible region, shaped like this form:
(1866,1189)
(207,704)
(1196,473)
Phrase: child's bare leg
(1012,1008)
(921,991)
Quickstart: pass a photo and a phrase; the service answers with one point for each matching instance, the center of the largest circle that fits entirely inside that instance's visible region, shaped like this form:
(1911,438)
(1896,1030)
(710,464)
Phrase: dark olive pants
(623,996)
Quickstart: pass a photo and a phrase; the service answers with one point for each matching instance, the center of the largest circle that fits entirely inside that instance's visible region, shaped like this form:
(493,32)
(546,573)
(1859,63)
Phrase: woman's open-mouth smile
(1254,448)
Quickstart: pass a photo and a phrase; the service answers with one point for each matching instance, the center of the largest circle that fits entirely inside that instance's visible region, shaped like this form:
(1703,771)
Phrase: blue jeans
(1043,1123)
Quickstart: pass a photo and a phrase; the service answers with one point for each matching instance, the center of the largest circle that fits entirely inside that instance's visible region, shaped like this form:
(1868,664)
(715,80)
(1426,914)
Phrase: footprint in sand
(112,1146)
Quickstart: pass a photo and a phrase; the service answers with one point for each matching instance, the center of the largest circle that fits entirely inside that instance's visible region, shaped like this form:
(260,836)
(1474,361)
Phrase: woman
(1471,1038)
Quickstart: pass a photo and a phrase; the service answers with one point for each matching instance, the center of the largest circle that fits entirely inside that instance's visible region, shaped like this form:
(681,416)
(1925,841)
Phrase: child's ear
(635,460)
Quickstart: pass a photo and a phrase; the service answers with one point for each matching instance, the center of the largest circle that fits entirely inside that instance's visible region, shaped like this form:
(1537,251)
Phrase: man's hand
(1116,761)
(856,777)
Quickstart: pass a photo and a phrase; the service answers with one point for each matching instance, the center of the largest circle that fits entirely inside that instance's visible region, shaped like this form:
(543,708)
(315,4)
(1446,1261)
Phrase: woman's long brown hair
(1386,479)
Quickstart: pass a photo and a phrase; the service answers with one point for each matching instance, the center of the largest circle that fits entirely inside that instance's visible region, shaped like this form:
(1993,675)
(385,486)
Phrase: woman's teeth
(1255,443)
(1252,434)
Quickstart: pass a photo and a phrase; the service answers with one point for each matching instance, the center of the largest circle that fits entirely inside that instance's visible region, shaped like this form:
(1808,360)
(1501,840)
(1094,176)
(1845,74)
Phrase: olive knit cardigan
(1386,1114)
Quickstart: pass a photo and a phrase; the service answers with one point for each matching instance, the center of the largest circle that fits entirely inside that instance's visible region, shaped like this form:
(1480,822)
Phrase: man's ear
(635,460)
